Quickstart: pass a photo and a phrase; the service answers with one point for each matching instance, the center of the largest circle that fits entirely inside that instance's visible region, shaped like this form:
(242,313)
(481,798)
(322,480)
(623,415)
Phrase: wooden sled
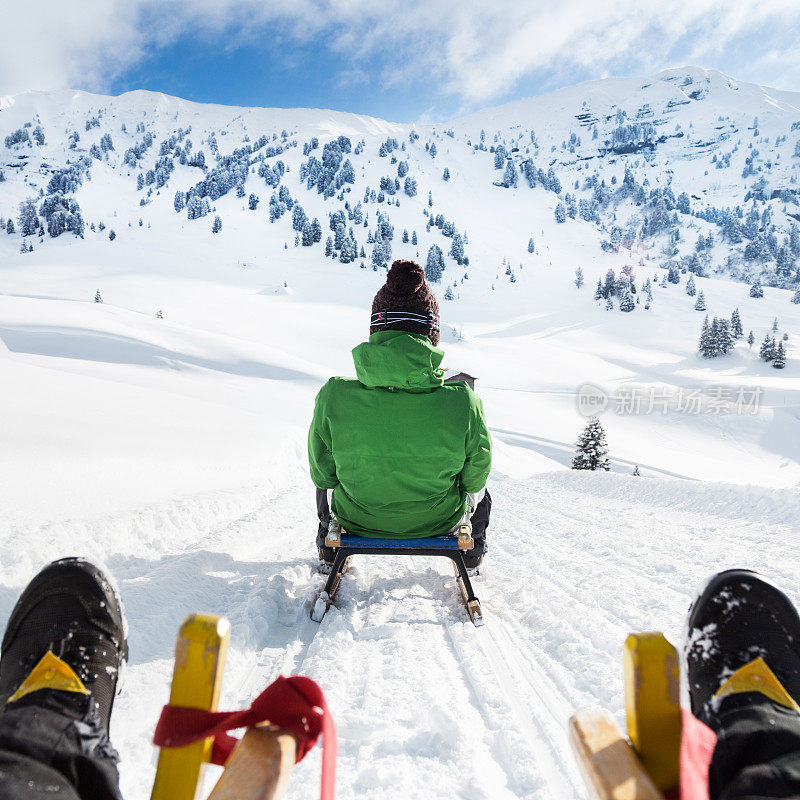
(346,545)
(645,764)
(260,765)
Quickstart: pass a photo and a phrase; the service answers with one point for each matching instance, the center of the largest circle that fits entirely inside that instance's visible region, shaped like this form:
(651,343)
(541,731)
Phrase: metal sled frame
(443,546)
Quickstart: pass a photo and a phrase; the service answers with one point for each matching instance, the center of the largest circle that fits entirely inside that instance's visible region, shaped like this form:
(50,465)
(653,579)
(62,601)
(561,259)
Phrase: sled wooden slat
(259,767)
(200,652)
(652,705)
(609,765)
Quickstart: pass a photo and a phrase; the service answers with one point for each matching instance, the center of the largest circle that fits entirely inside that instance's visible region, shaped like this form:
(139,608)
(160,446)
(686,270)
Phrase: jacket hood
(398,360)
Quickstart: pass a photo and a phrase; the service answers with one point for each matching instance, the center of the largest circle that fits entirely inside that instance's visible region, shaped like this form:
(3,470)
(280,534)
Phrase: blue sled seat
(430,543)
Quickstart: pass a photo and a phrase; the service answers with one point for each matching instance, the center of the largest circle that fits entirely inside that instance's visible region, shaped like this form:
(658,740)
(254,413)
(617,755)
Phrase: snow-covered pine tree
(736,325)
(704,345)
(775,325)
(159,314)
(457,248)
(510,176)
(434,266)
(405,236)
(691,290)
(216,226)
(561,213)
(700,304)
(795,296)
(767,350)
(448,295)
(531,247)
(779,362)
(578,278)
(446,174)
(609,304)
(28,219)
(111,235)
(598,292)
(626,302)
(750,340)
(722,338)
(592,449)
(98,298)
(756,290)
(414,237)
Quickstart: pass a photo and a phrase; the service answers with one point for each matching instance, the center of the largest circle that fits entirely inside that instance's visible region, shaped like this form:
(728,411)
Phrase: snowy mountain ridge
(617,154)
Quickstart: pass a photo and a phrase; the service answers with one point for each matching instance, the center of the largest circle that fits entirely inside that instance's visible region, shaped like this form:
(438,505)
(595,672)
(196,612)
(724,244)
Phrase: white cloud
(475,51)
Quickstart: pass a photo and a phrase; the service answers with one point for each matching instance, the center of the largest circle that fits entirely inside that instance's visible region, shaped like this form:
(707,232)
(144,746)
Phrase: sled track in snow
(536,705)
(522,715)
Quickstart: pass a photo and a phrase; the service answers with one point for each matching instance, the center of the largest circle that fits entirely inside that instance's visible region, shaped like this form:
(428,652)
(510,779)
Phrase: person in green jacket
(396,452)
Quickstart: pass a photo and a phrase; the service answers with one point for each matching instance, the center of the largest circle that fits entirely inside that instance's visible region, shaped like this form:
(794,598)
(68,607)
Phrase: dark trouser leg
(480,522)
(324,516)
(55,749)
(757,752)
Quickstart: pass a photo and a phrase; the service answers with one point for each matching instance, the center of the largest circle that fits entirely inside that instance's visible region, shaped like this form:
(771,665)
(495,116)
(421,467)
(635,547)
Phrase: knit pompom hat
(407,290)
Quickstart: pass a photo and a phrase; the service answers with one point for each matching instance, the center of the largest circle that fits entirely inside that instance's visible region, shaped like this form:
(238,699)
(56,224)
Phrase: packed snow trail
(426,704)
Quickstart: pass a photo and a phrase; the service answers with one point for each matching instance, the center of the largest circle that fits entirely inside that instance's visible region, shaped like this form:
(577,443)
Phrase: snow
(172,450)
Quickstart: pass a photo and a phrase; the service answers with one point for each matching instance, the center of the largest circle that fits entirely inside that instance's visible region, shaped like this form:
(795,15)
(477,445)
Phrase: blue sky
(398,59)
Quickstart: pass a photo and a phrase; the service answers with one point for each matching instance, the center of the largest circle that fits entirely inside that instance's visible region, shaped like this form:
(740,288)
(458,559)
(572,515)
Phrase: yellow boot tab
(757,677)
(50,673)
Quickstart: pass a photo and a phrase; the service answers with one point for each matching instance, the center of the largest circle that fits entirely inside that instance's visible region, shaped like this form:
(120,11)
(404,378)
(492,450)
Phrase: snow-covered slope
(162,431)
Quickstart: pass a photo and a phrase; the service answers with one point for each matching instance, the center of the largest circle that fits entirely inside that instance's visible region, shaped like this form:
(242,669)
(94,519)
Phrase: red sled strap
(296,704)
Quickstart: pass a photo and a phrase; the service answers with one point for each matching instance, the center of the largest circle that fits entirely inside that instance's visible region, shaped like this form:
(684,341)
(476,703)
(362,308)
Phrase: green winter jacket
(399,448)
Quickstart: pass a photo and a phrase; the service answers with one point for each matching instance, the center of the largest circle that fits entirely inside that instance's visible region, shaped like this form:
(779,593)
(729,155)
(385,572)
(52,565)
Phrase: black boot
(70,609)
(738,617)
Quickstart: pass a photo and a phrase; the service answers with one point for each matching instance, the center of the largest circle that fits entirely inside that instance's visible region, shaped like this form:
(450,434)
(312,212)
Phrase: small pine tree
(736,325)
(691,290)
(795,296)
(579,278)
(216,226)
(751,339)
(592,450)
(756,290)
(779,362)
(704,346)
(767,349)
(531,247)
(609,304)
(98,298)
(775,325)
(561,213)
(111,235)
(626,301)
(448,295)
(700,305)
(598,292)
(159,314)
(446,174)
